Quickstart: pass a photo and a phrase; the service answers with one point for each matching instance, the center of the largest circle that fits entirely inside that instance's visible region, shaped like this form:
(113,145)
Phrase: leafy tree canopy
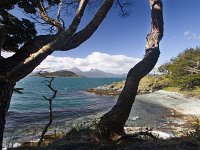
(185,68)
(15,31)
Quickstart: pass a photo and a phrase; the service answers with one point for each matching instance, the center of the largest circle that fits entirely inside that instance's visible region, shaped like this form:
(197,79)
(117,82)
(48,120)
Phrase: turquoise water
(28,112)
(71,94)
(72,100)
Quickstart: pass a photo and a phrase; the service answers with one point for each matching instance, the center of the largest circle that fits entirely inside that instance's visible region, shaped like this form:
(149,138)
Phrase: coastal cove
(28,112)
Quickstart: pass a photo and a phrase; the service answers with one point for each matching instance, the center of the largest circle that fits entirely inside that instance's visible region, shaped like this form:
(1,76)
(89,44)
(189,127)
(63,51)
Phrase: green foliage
(180,64)
(184,70)
(16,31)
(189,82)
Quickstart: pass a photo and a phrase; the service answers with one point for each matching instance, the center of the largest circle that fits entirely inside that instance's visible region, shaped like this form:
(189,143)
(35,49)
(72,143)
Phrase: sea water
(28,112)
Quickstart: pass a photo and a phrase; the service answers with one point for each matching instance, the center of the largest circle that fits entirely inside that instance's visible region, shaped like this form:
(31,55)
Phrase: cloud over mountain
(117,64)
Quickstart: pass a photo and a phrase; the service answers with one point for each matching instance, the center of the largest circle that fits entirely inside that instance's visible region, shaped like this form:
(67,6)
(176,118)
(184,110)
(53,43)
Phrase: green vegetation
(14,31)
(184,70)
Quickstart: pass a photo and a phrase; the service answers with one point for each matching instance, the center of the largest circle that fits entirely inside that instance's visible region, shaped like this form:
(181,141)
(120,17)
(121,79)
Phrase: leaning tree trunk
(6,90)
(112,123)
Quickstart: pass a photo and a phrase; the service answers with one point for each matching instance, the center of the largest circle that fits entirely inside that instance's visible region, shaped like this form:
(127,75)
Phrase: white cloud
(96,60)
(117,64)
(191,36)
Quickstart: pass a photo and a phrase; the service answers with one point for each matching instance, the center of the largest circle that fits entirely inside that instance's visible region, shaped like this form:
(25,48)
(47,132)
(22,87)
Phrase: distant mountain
(94,73)
(76,70)
(124,75)
(60,73)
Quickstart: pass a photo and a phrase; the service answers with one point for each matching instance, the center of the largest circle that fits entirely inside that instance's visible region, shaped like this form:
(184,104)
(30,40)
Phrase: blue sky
(126,36)
(119,43)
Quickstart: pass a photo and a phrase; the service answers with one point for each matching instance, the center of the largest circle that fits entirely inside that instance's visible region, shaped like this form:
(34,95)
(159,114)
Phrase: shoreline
(176,121)
(184,110)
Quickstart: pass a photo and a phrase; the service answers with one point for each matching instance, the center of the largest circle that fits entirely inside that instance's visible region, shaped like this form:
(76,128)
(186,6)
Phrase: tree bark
(112,123)
(6,90)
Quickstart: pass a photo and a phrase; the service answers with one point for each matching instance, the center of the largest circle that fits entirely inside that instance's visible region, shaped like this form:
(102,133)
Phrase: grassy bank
(148,84)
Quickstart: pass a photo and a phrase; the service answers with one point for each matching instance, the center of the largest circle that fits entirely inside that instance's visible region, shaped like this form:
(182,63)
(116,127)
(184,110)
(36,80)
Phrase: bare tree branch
(59,10)
(49,85)
(122,6)
(44,15)
(70,5)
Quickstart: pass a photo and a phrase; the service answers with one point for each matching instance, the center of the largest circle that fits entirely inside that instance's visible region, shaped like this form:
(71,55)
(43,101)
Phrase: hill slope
(61,73)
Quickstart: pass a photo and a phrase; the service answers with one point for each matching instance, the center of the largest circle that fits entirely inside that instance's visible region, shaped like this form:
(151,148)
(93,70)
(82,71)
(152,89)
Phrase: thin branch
(49,85)
(122,6)
(44,15)
(59,10)
(70,5)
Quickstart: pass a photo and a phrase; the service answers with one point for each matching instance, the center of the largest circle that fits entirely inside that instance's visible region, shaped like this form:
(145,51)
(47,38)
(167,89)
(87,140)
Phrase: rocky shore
(147,85)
